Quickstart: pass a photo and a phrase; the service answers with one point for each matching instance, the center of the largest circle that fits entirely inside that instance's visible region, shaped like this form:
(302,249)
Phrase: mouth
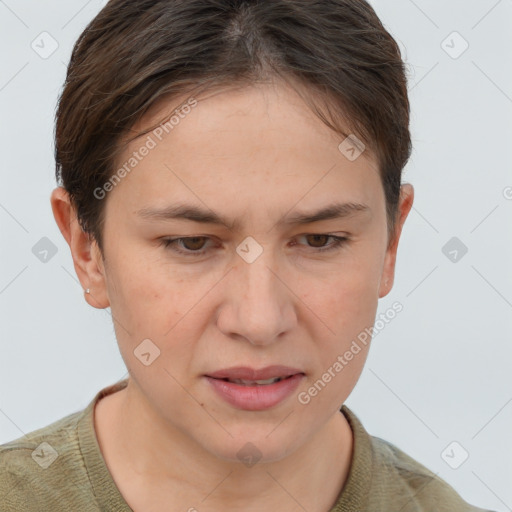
(265,382)
(255,390)
(248,376)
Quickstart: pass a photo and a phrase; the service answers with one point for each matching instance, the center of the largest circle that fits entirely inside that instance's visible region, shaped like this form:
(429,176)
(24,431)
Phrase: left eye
(195,243)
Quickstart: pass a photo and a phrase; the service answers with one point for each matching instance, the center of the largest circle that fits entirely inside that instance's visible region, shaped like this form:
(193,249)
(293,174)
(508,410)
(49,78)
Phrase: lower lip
(257,397)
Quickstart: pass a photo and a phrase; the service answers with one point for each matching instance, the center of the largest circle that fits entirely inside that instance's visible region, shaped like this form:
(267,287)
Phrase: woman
(230,186)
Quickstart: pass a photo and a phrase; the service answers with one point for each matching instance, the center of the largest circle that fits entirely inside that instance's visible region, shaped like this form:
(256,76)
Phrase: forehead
(242,144)
(273,106)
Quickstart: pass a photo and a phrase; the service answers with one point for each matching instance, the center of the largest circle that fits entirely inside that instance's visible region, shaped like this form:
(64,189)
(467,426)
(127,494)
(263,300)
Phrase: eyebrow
(204,216)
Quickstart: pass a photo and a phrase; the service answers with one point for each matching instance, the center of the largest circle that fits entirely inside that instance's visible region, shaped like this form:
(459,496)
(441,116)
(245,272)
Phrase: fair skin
(253,155)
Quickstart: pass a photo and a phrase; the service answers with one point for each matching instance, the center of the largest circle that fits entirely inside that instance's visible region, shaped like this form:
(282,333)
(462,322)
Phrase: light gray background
(439,372)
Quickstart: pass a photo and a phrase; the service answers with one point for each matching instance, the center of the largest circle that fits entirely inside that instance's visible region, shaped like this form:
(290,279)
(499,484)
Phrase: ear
(388,271)
(87,259)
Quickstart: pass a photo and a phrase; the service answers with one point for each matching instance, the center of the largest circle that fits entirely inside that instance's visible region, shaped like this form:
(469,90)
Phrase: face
(265,289)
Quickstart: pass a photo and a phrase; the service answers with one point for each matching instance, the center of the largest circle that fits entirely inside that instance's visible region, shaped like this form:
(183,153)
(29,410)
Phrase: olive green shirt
(60,468)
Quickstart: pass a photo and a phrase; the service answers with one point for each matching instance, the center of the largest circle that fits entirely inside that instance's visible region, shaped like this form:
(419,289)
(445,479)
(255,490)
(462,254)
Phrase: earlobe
(388,271)
(86,257)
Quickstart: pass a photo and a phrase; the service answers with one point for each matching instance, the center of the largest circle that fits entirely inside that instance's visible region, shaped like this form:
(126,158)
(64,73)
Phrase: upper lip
(247,373)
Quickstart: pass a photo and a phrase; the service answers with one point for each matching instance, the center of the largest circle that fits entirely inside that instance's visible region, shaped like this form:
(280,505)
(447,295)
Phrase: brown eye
(318,241)
(188,246)
(195,243)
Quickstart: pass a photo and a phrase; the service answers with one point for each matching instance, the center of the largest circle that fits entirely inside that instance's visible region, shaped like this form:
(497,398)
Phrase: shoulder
(38,466)
(400,478)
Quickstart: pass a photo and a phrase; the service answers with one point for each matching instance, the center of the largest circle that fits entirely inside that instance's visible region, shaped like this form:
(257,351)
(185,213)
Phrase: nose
(259,301)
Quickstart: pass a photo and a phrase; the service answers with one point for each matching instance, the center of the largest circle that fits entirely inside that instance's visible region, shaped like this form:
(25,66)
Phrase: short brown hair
(134,53)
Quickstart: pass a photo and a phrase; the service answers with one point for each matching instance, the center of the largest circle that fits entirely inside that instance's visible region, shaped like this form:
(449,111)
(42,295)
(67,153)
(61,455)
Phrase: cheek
(346,297)
(140,281)
(347,309)
(344,308)
(349,315)
(152,301)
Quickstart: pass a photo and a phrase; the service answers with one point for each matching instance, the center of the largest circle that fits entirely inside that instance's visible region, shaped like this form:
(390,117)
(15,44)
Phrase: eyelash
(339,242)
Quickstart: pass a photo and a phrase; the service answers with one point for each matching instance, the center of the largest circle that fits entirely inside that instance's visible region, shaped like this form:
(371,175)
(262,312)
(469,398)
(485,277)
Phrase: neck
(163,464)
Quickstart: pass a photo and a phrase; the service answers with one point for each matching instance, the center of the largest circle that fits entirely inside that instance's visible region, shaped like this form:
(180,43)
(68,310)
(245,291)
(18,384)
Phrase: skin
(251,154)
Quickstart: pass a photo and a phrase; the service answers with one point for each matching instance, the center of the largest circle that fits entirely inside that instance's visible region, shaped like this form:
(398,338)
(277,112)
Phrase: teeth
(253,382)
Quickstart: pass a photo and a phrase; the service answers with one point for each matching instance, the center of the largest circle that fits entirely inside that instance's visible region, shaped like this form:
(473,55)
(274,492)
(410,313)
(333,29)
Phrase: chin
(252,446)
